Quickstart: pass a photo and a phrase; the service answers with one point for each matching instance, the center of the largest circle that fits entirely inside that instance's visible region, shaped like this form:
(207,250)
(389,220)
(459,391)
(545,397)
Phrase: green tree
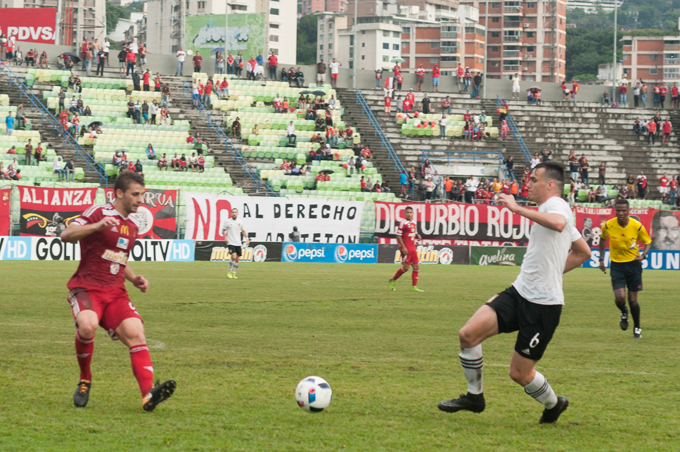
(306,39)
(113,13)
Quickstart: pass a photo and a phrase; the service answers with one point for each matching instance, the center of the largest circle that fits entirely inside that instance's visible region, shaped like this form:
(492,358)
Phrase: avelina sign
(497,255)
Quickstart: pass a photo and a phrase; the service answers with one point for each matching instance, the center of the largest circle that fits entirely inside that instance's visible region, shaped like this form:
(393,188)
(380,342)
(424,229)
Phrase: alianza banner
(497,255)
(37,26)
(454,221)
(207,31)
(273,219)
(157,216)
(663,226)
(5,195)
(49,211)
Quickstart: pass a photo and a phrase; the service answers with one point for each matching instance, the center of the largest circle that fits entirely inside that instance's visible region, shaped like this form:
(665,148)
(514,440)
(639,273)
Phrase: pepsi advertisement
(343,253)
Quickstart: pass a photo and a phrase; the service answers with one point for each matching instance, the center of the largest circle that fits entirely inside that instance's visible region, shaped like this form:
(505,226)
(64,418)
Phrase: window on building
(351,64)
(363,32)
(406,30)
(363,44)
(531,64)
(239,7)
(320,26)
(494,63)
(351,40)
(386,59)
(628,42)
(396,34)
(273,25)
(351,53)
(201,5)
(273,11)
(330,46)
(495,5)
(653,57)
(330,26)
(386,46)
(434,45)
(320,46)
(274,51)
(320,37)
(498,19)
(386,34)
(531,5)
(274,38)
(363,57)
(531,49)
(495,34)
(395,46)
(330,36)
(405,46)
(653,71)
(531,34)
(434,60)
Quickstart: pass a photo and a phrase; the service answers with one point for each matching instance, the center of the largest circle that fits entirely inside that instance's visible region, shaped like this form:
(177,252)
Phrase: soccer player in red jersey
(407,234)
(97,294)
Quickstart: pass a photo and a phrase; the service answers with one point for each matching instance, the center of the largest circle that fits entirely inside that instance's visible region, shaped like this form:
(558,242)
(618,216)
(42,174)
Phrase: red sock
(399,272)
(414,277)
(84,349)
(142,367)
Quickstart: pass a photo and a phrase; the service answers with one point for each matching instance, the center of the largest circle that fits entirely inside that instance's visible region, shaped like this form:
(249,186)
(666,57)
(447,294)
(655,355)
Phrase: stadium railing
(57,128)
(518,137)
(258,183)
(366,110)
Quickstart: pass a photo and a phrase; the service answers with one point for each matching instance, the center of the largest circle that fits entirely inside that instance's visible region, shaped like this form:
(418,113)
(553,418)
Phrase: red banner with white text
(663,226)
(5,195)
(29,25)
(49,211)
(454,223)
(157,216)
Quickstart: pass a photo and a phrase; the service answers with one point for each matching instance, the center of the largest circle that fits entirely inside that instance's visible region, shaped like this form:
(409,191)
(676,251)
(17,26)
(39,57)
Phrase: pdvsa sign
(29,24)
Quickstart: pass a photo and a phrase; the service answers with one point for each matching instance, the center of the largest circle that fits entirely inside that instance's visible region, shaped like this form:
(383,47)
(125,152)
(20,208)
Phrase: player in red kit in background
(97,294)
(407,234)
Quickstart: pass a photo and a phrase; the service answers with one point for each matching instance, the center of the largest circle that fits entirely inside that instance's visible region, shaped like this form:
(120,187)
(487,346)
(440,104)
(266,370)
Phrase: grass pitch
(237,349)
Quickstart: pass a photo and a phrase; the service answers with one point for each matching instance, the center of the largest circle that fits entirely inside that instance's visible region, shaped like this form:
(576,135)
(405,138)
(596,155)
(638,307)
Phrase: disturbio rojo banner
(157,216)
(49,211)
(454,221)
(29,25)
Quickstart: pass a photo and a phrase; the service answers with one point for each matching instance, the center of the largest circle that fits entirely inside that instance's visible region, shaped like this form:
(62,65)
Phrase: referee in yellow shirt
(624,233)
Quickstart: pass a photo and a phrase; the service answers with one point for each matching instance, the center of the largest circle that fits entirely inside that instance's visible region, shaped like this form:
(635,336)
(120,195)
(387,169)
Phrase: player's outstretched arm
(138,281)
(553,221)
(75,232)
(580,252)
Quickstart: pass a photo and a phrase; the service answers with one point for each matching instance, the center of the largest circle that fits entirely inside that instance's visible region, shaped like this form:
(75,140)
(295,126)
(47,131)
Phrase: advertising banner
(5,195)
(328,253)
(157,216)
(427,254)
(663,226)
(15,248)
(273,219)
(497,255)
(656,260)
(49,211)
(37,26)
(216,251)
(454,221)
(53,249)
(449,242)
(207,31)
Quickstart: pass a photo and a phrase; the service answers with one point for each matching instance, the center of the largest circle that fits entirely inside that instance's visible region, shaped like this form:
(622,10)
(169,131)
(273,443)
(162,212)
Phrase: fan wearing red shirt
(663,90)
(407,234)
(420,78)
(388,106)
(663,187)
(651,128)
(157,82)
(146,80)
(197,62)
(400,81)
(674,96)
(97,294)
(459,75)
(673,191)
(666,128)
(435,77)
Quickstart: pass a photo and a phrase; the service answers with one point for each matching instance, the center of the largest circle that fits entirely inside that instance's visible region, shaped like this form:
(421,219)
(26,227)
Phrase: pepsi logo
(291,252)
(341,253)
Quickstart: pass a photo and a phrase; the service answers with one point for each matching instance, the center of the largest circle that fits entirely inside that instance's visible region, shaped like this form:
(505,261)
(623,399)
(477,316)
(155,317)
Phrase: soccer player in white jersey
(533,303)
(232,230)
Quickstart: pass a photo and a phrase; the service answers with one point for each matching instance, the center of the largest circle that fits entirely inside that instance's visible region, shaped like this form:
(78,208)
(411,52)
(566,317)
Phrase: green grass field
(238,349)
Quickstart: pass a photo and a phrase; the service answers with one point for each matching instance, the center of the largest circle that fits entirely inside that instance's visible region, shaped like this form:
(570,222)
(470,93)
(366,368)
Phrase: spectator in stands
(146,80)
(574,90)
(641,183)
(69,171)
(663,187)
(636,93)
(366,153)
(637,126)
(673,191)
(332,103)
(183,163)
(43,62)
(666,127)
(30,58)
(663,91)
(197,61)
(320,124)
(201,91)
(515,87)
(623,94)
(157,82)
(438,183)
(163,162)
(675,100)
(605,98)
(299,77)
(136,79)
(442,125)
(470,188)
(290,132)
(165,96)
(4,172)
(207,96)
(73,105)
(593,193)
(630,185)
(426,104)
(175,162)
(75,122)
(38,155)
(165,117)
(427,169)
(138,112)
(545,155)
(236,128)
(535,161)
(29,152)
(509,165)
(238,64)
(420,78)
(478,84)
(58,167)
(18,57)
(583,167)
(467,130)
(153,111)
(80,105)
(602,193)
(285,106)
(651,132)
(201,163)
(644,88)
(658,120)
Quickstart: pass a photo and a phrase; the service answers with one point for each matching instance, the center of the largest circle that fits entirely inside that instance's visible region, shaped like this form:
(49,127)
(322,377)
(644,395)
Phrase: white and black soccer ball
(313,394)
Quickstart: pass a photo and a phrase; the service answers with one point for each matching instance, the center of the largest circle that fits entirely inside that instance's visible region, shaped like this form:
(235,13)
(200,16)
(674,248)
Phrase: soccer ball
(313,394)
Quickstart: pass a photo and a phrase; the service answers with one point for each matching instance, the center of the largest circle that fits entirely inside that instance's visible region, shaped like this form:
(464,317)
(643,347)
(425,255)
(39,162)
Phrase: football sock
(635,312)
(622,307)
(142,367)
(541,390)
(235,267)
(84,348)
(471,360)
(231,265)
(414,277)
(398,274)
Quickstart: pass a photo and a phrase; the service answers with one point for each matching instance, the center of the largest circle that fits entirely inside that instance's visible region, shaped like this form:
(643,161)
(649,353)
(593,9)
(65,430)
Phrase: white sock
(231,265)
(471,360)
(235,267)
(541,390)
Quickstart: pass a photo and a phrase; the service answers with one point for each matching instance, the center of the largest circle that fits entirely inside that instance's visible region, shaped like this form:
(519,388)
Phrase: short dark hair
(408,208)
(553,171)
(124,180)
(621,201)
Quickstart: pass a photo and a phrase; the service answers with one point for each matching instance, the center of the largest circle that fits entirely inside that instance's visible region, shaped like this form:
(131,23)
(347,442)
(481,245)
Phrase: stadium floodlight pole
(57,27)
(354,58)
(486,44)
(616,8)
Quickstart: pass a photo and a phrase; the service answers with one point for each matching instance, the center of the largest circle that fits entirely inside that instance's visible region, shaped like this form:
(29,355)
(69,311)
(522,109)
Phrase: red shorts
(334,75)
(112,306)
(411,258)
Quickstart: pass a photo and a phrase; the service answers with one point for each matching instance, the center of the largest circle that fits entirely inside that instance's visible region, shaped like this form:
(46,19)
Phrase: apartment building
(93,18)
(308,7)
(655,59)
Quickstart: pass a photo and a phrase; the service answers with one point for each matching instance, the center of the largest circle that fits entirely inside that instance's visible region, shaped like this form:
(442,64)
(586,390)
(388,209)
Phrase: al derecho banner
(273,219)
(663,226)
(454,221)
(157,216)
(49,211)
(5,195)
(246,34)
